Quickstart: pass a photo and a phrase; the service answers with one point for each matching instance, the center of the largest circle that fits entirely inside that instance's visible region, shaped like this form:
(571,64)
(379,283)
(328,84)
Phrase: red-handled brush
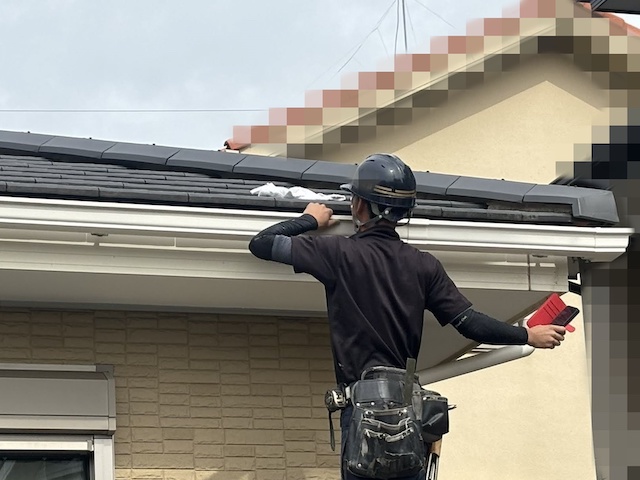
(554,311)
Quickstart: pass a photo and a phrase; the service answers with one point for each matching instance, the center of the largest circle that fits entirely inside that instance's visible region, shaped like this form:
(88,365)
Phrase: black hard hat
(383,179)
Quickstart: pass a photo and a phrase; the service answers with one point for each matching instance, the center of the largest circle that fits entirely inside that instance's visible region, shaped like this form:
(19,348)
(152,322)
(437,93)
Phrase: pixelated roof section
(331,118)
(614,6)
(48,166)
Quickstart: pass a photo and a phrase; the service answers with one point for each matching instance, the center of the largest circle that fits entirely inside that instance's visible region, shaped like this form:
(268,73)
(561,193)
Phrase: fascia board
(232,229)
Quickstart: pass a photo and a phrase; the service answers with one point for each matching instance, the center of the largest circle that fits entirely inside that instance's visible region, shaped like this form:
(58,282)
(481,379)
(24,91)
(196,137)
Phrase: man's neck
(380,223)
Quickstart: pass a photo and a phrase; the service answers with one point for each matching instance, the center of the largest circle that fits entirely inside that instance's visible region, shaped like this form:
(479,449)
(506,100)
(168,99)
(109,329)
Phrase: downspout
(473,364)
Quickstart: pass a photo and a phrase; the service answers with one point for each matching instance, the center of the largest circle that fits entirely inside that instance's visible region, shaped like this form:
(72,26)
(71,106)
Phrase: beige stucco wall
(527,419)
(521,138)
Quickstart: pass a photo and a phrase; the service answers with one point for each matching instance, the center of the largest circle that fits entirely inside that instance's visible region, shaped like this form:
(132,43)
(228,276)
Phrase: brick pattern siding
(198,396)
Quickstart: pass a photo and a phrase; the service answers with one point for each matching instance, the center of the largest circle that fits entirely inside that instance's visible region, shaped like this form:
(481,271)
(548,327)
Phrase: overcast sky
(196,54)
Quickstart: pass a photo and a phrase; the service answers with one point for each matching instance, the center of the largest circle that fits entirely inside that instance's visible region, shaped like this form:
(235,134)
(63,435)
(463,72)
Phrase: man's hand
(546,336)
(322,214)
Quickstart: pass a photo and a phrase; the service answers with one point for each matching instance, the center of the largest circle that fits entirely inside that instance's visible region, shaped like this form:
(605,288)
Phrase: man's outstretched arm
(274,242)
(484,329)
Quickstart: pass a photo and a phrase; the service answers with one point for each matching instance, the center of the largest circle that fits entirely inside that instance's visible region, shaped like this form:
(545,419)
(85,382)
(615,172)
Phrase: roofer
(377,288)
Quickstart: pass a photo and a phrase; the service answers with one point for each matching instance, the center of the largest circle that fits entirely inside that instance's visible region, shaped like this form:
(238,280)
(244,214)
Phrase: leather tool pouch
(433,411)
(384,439)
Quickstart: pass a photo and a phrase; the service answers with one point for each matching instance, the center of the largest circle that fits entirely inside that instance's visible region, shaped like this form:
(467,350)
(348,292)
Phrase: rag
(300,193)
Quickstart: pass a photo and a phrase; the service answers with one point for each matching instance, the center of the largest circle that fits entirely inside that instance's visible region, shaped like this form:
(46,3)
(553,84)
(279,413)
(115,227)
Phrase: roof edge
(587,204)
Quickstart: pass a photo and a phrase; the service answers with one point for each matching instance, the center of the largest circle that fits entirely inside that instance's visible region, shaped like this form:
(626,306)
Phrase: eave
(230,230)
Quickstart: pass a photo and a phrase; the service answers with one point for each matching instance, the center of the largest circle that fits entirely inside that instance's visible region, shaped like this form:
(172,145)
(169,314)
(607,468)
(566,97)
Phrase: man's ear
(362,209)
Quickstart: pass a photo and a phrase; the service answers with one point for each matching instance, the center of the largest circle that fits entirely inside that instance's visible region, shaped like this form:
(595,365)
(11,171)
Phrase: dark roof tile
(232,200)
(428,211)
(66,191)
(17,177)
(18,174)
(170,188)
(80,181)
(161,196)
(482,214)
(449,203)
(201,182)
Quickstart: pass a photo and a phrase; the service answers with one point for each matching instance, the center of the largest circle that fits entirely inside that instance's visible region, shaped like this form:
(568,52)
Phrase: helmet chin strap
(378,216)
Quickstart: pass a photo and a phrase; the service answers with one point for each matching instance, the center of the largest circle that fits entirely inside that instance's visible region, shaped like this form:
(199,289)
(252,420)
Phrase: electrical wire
(395,42)
(384,15)
(365,39)
(404,24)
(415,38)
(434,13)
(383,44)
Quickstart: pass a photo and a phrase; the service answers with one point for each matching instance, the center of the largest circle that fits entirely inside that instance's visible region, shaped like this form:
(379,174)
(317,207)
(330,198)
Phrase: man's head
(383,189)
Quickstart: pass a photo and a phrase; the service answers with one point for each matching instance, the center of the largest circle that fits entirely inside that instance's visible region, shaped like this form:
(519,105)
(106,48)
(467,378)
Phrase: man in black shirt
(377,286)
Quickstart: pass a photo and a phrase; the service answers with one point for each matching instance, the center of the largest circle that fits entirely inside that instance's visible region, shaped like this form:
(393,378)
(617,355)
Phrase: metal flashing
(210,162)
(586,203)
(284,168)
(75,147)
(21,142)
(434,183)
(133,153)
(489,189)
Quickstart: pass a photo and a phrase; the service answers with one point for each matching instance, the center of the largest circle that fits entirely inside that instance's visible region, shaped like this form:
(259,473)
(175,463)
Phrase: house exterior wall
(520,139)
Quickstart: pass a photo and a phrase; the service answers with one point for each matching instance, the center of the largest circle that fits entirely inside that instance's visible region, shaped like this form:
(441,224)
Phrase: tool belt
(393,419)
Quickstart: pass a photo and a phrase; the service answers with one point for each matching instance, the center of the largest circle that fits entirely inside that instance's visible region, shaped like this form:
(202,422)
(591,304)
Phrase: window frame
(100,448)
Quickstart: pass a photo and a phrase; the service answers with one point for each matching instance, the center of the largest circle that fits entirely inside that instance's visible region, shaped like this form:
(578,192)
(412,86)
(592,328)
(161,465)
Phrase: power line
(395,41)
(160,110)
(383,44)
(434,13)
(415,38)
(404,24)
(384,15)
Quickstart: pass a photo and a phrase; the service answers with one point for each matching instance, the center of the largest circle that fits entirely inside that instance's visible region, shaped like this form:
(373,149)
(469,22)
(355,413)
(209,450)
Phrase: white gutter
(87,221)
(473,364)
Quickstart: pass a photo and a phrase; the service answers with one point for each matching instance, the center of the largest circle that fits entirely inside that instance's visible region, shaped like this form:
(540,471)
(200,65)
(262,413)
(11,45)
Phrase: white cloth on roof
(300,193)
